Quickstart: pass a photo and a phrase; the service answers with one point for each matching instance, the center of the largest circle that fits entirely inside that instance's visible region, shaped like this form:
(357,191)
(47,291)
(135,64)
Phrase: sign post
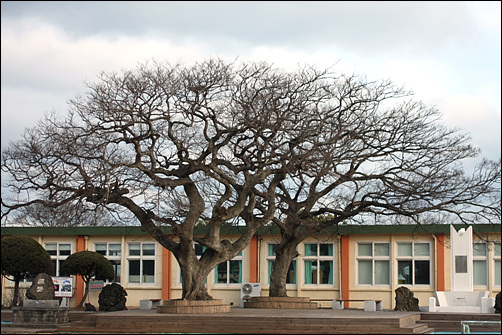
(63,288)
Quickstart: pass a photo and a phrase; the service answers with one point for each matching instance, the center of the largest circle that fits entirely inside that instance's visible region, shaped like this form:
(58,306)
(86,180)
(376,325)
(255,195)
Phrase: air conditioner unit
(249,290)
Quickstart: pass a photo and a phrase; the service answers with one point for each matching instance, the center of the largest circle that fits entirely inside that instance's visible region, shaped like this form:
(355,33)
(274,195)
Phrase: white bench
(369,305)
(149,303)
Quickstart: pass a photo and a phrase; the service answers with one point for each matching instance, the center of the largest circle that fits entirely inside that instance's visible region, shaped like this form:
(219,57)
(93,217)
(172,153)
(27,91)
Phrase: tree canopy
(88,265)
(22,258)
(247,143)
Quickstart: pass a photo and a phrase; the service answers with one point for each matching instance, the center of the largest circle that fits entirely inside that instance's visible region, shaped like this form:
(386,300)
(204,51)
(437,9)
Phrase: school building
(351,262)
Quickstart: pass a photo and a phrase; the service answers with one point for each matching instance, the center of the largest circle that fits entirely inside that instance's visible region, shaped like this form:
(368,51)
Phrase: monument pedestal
(36,313)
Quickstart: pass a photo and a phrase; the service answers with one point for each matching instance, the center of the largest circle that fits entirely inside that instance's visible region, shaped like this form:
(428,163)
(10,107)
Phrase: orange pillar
(440,274)
(253,259)
(79,284)
(345,270)
(166,274)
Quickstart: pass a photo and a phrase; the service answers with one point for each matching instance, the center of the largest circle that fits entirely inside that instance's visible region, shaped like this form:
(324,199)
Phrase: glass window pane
(325,249)
(65,249)
(497,249)
(235,271)
(311,249)
(271,249)
(54,268)
(364,249)
(310,272)
(382,249)
(101,248)
(479,249)
(199,249)
(422,249)
(116,270)
(61,272)
(134,249)
(148,249)
(291,278)
(148,271)
(403,272)
(480,273)
(221,273)
(115,249)
(382,272)
(497,272)
(134,271)
(422,272)
(326,274)
(404,249)
(365,272)
(52,249)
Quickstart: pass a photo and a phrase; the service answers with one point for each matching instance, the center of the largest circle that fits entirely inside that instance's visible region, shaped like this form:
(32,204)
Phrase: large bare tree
(378,155)
(244,144)
(172,145)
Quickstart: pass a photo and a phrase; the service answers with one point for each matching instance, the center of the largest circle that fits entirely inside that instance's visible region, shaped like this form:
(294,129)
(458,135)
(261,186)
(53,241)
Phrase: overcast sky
(448,53)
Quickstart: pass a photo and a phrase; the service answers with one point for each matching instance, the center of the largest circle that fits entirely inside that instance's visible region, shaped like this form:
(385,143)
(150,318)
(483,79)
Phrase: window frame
(58,258)
(318,258)
(414,259)
(141,258)
(373,258)
(117,272)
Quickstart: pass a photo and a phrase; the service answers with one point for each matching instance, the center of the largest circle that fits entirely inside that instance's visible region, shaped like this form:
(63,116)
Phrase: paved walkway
(235,313)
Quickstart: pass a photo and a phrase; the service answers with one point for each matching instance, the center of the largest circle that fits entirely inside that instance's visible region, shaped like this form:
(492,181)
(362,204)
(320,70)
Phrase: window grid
(318,263)
(414,263)
(113,252)
(373,259)
(141,262)
(58,251)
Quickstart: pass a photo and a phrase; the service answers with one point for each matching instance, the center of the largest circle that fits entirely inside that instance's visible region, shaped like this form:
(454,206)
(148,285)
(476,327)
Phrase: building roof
(342,229)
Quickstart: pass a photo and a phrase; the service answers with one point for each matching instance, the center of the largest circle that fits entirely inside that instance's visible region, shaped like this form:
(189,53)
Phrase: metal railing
(466,325)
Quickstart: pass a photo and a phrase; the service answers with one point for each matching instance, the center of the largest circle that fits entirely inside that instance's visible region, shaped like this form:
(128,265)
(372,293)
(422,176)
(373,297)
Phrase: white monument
(462,297)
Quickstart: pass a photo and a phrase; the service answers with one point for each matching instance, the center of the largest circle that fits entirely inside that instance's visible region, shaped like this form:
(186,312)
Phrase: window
(291,277)
(373,263)
(496,259)
(318,262)
(141,262)
(414,263)
(113,252)
(59,252)
(230,272)
(480,264)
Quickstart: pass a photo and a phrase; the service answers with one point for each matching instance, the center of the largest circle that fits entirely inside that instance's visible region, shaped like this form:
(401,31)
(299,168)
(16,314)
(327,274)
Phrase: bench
(149,303)
(369,305)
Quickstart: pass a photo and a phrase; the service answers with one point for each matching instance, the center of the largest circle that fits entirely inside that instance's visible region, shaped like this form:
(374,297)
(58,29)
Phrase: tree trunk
(284,255)
(86,292)
(15,299)
(194,283)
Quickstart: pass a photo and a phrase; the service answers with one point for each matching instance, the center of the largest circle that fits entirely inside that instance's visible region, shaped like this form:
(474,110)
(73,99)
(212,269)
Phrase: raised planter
(177,306)
(281,303)
(36,313)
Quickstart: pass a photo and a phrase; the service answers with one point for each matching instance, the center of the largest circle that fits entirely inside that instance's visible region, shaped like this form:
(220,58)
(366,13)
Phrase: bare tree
(242,144)
(172,145)
(376,156)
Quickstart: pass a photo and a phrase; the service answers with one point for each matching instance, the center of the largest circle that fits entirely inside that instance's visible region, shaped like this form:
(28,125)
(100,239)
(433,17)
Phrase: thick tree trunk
(86,293)
(284,255)
(194,283)
(15,299)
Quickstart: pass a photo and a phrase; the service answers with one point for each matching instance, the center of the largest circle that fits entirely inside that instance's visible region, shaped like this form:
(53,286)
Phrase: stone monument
(40,308)
(462,297)
(405,300)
